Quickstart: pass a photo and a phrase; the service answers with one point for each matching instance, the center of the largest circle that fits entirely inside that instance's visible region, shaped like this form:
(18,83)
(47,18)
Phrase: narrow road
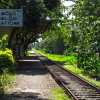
(33,82)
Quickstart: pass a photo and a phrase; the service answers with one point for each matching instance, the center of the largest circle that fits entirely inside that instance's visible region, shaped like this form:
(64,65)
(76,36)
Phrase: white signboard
(11,17)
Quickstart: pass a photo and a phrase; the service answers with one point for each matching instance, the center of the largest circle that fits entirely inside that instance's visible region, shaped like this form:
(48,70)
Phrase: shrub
(7,76)
(6,61)
(90,63)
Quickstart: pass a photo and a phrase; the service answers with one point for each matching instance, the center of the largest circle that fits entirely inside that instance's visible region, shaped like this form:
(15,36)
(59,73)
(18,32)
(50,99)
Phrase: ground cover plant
(69,62)
(7,69)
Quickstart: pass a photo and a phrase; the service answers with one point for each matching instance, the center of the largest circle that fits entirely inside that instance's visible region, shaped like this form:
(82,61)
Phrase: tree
(87,21)
(35,21)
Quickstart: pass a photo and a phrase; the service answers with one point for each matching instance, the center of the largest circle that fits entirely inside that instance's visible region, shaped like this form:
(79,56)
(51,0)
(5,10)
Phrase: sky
(67,3)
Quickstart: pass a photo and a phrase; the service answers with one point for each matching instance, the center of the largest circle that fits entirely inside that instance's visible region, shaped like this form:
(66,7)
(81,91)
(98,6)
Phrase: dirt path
(32,83)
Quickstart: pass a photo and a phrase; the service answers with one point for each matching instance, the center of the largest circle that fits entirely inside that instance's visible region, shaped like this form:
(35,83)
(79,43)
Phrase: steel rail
(61,82)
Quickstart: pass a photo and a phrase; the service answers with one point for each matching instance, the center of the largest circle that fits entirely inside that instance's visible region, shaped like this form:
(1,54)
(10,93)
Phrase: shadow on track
(21,96)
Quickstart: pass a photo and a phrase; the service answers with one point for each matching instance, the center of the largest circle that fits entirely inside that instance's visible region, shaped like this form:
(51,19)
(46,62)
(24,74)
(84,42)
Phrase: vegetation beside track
(59,94)
(7,69)
(69,63)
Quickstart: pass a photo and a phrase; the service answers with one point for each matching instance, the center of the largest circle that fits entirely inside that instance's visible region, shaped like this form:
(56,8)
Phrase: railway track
(78,88)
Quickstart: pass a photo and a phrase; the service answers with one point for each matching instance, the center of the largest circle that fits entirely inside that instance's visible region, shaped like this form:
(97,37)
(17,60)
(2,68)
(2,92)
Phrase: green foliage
(35,11)
(79,34)
(70,63)
(6,61)
(35,20)
(80,72)
(58,94)
(3,41)
(6,68)
(90,63)
(87,22)
(7,4)
(6,80)
(69,59)
(53,41)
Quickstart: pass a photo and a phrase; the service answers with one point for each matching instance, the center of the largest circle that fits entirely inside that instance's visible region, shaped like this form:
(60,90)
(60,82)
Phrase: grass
(59,94)
(7,69)
(80,73)
(69,63)
(56,93)
(6,81)
(59,58)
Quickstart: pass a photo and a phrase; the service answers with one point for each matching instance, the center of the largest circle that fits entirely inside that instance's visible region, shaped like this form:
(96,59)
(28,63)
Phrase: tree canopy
(80,34)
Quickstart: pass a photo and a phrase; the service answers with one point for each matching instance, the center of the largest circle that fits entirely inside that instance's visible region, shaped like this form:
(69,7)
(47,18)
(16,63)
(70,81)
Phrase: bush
(6,61)
(7,75)
(90,63)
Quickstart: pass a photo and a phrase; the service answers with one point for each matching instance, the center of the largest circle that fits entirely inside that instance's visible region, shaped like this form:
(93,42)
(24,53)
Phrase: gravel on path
(32,84)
